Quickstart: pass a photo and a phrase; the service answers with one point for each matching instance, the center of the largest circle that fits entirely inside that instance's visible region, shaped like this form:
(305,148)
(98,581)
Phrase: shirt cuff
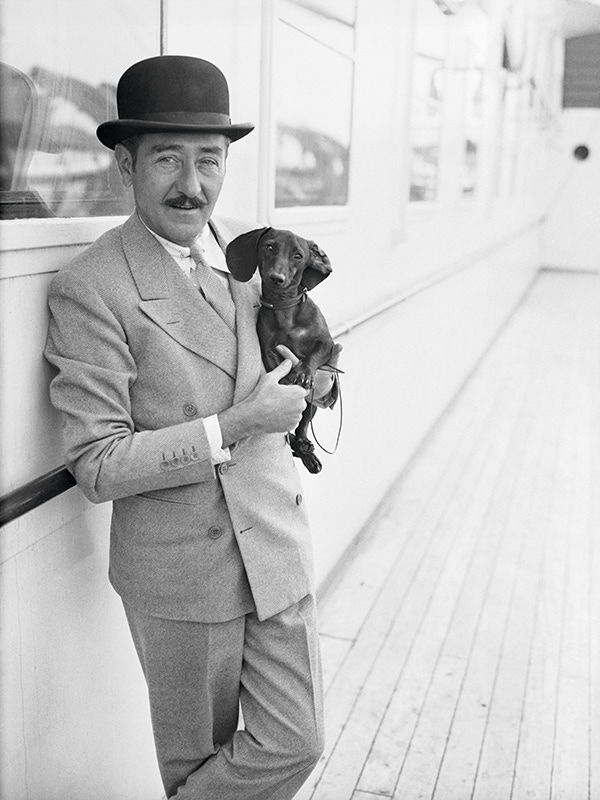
(218,453)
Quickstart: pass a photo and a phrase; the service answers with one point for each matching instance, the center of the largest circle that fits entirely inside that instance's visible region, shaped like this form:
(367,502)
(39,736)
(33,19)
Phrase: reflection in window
(510,138)
(313,73)
(473,122)
(57,83)
(427,98)
(473,58)
(515,53)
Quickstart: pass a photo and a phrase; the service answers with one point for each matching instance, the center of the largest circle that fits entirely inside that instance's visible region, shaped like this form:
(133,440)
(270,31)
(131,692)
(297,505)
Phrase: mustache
(182,201)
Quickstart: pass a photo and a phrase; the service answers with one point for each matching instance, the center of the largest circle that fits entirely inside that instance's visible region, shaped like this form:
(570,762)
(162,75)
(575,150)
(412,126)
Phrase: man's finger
(335,354)
(285,352)
(333,359)
(282,369)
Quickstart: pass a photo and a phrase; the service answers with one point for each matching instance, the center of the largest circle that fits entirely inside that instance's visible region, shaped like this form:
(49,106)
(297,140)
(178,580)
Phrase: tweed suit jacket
(141,358)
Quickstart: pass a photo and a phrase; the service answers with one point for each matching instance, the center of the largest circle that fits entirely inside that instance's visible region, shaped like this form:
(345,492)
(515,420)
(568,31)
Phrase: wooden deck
(462,645)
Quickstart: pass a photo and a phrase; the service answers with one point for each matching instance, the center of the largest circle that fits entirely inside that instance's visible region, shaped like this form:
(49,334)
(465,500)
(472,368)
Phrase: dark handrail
(34,494)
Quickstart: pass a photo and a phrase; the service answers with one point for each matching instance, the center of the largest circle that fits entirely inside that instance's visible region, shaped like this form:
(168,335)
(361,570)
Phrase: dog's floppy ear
(241,254)
(318,268)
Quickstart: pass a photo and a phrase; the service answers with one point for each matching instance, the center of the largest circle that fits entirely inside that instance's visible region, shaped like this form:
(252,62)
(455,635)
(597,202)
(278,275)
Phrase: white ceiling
(579,17)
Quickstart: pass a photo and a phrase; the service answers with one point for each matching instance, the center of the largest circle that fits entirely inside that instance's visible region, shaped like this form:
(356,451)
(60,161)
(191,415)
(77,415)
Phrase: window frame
(325,215)
(36,233)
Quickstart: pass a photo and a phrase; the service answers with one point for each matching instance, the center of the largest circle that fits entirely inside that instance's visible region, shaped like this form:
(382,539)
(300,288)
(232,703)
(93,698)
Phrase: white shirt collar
(181,253)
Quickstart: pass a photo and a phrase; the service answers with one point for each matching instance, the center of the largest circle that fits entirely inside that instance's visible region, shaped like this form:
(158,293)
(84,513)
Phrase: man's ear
(125,164)
(241,254)
(318,269)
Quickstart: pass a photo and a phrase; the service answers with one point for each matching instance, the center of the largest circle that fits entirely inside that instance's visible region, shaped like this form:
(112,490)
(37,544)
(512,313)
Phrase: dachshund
(289,267)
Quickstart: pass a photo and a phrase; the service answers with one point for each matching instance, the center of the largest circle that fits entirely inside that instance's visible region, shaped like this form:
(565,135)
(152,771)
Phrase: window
(313,82)
(582,67)
(57,83)
(471,64)
(429,82)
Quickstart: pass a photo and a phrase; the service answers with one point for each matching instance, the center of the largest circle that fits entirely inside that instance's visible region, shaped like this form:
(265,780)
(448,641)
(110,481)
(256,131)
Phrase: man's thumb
(281,370)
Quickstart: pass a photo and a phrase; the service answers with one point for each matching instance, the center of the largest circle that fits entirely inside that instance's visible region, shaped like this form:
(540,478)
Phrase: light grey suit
(142,358)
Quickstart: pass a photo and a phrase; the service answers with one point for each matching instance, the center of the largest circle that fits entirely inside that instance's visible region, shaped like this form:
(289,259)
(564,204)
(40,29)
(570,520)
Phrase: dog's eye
(268,247)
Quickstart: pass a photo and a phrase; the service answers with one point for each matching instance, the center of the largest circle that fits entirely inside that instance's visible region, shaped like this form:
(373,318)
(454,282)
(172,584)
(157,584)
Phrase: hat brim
(113,132)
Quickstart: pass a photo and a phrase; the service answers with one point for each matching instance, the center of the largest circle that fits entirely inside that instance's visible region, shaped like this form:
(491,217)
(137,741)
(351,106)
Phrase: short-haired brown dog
(289,266)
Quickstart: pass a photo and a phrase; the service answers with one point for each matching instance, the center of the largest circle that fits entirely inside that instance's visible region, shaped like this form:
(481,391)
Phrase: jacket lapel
(170,300)
(246,298)
(249,366)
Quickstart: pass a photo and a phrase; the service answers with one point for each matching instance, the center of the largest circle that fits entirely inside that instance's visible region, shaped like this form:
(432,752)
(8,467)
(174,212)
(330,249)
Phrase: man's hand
(324,378)
(269,408)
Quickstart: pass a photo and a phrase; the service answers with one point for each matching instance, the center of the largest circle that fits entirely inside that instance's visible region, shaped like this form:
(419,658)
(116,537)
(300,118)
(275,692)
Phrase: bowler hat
(171,93)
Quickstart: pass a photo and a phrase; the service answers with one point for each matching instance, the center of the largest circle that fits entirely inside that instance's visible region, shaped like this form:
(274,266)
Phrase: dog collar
(285,303)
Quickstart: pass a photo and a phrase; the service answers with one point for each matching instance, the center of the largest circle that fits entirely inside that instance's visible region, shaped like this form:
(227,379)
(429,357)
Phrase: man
(169,413)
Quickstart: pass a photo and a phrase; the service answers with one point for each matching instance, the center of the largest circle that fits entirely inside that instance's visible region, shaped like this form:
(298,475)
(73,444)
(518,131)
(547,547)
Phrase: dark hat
(171,93)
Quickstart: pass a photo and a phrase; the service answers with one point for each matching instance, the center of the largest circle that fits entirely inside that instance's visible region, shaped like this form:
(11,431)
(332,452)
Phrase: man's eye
(298,256)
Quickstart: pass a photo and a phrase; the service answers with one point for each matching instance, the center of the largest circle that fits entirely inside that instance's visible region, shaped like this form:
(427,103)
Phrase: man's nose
(188,181)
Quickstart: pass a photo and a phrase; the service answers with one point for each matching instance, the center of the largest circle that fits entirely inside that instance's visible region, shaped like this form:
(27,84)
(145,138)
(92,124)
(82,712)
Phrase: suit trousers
(199,675)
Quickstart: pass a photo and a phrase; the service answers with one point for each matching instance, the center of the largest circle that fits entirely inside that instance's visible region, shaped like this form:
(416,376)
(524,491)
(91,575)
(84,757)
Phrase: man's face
(176,181)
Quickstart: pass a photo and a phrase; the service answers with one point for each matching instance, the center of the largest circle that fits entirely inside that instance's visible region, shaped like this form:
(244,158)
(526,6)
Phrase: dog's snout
(276,279)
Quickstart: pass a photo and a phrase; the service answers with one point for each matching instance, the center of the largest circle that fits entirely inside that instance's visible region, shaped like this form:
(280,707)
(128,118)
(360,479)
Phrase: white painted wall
(402,370)
(571,235)
(75,722)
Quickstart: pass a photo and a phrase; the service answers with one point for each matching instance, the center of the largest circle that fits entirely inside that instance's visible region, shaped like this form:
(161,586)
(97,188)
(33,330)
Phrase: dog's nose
(276,279)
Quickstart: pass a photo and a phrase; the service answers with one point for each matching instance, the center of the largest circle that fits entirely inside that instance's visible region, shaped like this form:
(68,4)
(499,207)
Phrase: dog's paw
(304,449)
(301,377)
(312,463)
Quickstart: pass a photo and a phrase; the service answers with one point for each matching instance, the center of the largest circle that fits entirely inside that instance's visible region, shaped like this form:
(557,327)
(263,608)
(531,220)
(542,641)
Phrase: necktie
(211,287)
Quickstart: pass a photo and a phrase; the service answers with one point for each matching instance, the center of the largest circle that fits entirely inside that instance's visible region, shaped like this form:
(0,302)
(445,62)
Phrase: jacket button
(299,499)
(215,532)
(223,469)
(190,410)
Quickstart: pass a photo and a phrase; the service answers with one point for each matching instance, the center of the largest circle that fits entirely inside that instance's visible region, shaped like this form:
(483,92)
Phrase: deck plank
(500,742)
(416,682)
(572,743)
(508,588)
(413,570)
(461,643)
